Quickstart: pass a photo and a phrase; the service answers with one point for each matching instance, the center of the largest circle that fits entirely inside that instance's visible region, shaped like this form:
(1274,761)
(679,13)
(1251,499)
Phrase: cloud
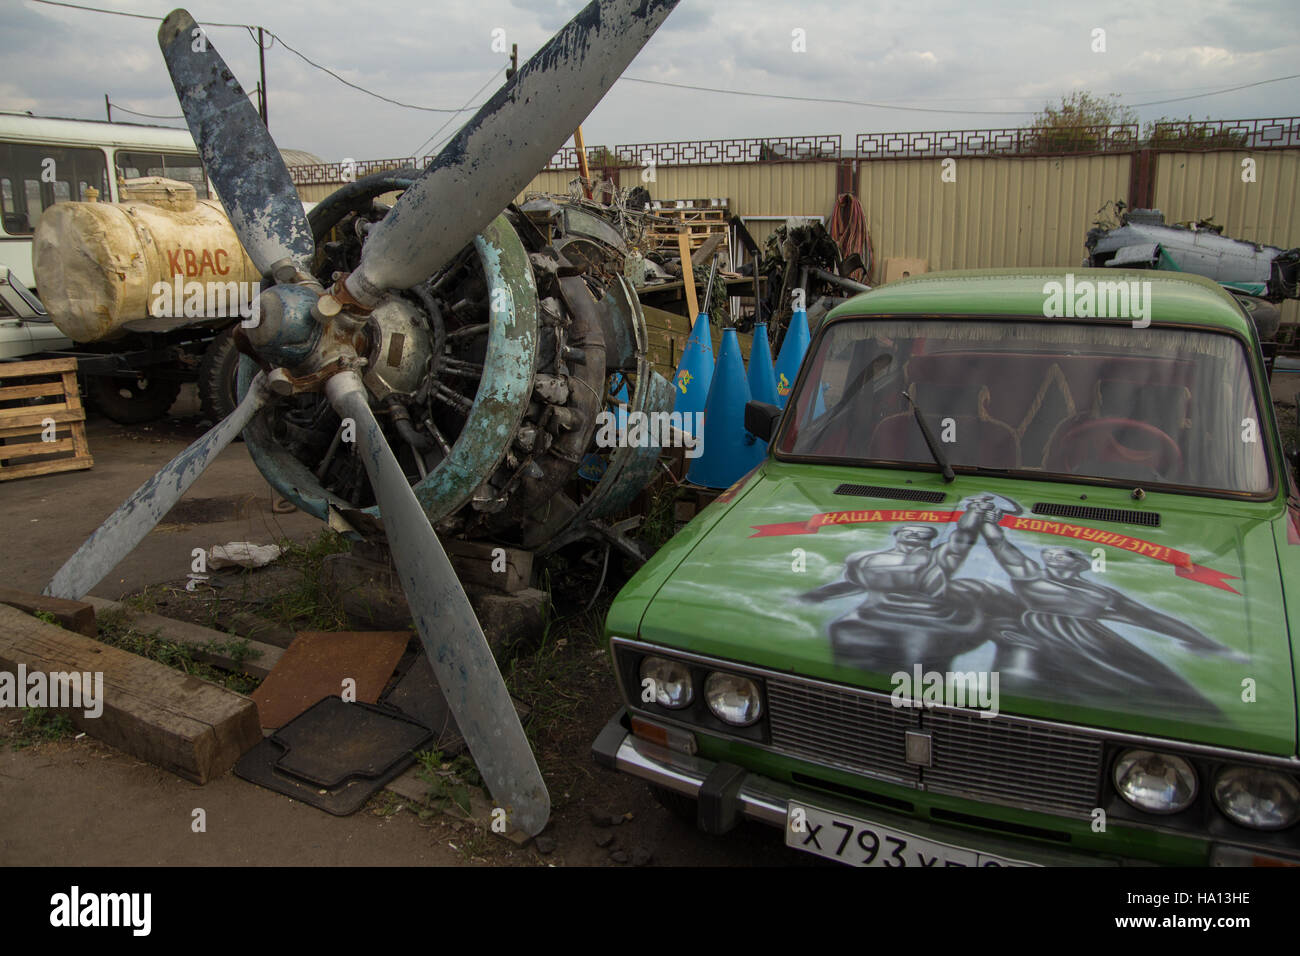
(999,55)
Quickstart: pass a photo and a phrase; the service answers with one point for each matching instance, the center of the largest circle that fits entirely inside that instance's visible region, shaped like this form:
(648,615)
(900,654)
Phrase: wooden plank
(33,449)
(38,367)
(76,616)
(688,277)
(261,659)
(79,444)
(32,469)
(30,391)
(72,395)
(35,416)
(474,561)
(180,723)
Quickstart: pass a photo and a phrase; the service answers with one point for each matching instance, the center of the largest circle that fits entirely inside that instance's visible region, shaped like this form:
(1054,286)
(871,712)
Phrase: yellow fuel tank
(99,266)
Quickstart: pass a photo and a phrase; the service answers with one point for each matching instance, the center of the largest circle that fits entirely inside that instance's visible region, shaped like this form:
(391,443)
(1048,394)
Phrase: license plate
(861,843)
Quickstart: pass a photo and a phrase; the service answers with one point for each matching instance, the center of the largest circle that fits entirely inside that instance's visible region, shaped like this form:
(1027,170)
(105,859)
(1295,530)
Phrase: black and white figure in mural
(915,611)
(1060,643)
(1048,632)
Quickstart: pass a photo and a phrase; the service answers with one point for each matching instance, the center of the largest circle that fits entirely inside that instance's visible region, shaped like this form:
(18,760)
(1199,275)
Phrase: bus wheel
(131,401)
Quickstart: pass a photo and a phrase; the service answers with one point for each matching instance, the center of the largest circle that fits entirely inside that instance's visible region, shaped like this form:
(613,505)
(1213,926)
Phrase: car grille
(997,760)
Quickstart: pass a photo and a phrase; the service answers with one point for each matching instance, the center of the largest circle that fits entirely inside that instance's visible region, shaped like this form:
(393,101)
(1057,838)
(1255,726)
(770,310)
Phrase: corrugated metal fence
(965,199)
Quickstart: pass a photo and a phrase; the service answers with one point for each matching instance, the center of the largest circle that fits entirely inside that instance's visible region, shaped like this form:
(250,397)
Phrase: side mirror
(761,419)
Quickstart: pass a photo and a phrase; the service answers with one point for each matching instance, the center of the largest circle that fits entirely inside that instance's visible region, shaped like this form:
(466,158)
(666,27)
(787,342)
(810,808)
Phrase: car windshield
(1139,406)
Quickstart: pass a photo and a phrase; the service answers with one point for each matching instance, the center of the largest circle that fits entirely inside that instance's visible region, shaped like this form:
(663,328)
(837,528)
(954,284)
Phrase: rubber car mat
(394,739)
(334,740)
(417,695)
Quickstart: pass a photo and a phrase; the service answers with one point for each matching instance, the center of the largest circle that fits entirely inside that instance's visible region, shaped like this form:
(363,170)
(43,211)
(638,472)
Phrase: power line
(825,100)
(923,109)
(123,109)
(463,109)
(123,13)
(274,37)
(378,96)
(1230,89)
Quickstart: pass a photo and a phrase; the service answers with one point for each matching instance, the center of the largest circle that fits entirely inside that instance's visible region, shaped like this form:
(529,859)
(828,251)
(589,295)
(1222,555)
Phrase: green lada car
(1012,587)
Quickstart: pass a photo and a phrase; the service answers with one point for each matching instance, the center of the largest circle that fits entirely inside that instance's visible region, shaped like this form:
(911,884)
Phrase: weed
(449,781)
(310,605)
(47,617)
(386,804)
(38,724)
(660,521)
(117,630)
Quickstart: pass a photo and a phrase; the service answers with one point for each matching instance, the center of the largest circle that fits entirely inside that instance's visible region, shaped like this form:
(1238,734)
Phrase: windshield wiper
(939,458)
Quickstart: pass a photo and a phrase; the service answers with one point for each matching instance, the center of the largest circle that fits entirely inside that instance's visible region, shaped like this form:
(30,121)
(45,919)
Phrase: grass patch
(117,630)
(37,725)
(310,605)
(449,781)
(660,522)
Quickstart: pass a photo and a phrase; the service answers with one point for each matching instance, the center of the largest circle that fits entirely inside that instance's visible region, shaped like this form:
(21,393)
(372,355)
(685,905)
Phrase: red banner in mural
(1182,562)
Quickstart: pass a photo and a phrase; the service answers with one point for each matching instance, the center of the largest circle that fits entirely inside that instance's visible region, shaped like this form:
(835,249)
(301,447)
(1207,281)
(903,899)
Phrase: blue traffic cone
(728,450)
(762,378)
(793,347)
(694,373)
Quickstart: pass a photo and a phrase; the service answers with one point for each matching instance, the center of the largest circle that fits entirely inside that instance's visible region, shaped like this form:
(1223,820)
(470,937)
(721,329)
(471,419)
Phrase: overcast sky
(996,56)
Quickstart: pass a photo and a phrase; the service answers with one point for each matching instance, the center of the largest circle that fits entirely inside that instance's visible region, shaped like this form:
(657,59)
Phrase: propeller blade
(500,150)
(238,152)
(136,517)
(462,661)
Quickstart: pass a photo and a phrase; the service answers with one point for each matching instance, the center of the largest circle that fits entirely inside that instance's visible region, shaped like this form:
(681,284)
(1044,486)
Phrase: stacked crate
(42,423)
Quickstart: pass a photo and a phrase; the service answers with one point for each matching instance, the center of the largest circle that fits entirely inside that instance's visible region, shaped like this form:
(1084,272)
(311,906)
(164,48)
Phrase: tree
(1079,123)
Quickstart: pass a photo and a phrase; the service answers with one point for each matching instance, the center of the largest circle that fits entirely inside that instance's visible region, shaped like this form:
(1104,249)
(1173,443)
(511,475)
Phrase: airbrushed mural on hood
(1049,631)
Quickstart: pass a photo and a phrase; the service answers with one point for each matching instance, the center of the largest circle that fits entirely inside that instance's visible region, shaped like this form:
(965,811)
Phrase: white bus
(44,160)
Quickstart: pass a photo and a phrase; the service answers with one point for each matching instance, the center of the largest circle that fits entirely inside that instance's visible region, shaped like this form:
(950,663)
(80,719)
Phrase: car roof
(1177,298)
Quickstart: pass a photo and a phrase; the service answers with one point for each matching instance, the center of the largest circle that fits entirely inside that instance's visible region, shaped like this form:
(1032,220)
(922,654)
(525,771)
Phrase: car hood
(1175,630)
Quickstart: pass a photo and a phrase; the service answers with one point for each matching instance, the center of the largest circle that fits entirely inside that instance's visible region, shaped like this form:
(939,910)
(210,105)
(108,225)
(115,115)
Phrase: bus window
(185,167)
(46,175)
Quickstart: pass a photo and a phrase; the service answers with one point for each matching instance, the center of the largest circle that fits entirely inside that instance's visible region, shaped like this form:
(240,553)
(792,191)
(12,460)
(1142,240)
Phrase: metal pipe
(840,280)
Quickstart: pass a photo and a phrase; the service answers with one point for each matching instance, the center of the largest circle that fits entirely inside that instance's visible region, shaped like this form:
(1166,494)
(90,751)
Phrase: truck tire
(218,375)
(132,401)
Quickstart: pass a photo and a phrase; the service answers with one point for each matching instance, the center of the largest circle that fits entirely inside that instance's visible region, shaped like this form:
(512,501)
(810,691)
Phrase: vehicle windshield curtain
(1155,406)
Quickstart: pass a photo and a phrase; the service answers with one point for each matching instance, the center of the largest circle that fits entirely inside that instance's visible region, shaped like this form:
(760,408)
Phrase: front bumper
(727,793)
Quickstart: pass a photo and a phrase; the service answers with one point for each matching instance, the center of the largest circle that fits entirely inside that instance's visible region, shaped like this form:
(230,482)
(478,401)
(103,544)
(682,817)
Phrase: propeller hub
(286,332)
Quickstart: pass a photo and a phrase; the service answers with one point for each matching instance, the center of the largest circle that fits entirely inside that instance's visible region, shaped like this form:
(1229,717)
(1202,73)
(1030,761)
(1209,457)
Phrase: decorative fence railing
(1273,133)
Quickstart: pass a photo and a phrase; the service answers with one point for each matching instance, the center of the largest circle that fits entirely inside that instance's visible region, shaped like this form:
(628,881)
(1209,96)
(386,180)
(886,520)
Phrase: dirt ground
(75,800)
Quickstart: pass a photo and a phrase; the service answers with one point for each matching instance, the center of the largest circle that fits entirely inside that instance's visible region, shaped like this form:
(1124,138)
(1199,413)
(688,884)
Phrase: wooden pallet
(32,395)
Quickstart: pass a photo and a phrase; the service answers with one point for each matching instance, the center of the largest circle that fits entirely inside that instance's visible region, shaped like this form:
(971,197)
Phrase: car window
(1156,406)
(186,167)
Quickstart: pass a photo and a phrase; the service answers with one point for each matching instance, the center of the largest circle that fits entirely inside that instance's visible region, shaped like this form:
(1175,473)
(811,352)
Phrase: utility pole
(261,62)
(108,108)
(513,68)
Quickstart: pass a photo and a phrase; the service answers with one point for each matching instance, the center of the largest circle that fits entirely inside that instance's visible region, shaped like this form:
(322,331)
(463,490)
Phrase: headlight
(1156,783)
(733,699)
(670,681)
(1263,799)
